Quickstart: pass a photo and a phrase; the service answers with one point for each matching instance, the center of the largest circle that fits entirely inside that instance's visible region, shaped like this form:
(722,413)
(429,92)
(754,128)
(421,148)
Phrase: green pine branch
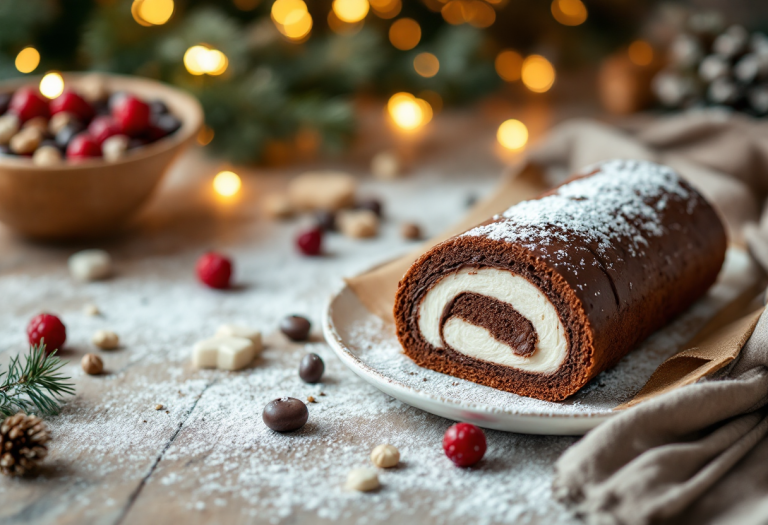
(36,386)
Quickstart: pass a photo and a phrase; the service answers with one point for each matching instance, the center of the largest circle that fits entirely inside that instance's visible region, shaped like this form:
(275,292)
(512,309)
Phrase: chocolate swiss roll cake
(541,299)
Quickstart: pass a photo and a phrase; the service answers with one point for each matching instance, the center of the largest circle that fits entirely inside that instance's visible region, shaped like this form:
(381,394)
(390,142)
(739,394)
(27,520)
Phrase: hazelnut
(90,265)
(277,206)
(106,339)
(39,123)
(91,309)
(114,147)
(9,126)
(362,479)
(60,121)
(92,364)
(386,165)
(358,223)
(385,456)
(47,156)
(26,141)
(410,231)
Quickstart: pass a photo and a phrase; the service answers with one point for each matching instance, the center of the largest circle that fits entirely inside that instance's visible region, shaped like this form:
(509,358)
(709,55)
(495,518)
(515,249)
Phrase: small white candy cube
(90,265)
(235,330)
(225,353)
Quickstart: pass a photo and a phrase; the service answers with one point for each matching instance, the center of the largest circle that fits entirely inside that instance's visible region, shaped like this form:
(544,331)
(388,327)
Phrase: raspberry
(214,270)
(28,103)
(71,102)
(310,242)
(48,329)
(131,114)
(464,444)
(83,146)
(101,128)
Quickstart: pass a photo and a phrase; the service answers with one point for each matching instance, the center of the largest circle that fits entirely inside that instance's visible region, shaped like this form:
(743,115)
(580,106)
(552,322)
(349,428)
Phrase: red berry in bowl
(101,128)
(131,114)
(310,242)
(28,103)
(48,329)
(214,270)
(71,102)
(83,146)
(464,444)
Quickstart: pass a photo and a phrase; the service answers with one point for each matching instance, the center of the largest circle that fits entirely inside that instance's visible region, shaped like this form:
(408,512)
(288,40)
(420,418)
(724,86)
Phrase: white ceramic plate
(369,347)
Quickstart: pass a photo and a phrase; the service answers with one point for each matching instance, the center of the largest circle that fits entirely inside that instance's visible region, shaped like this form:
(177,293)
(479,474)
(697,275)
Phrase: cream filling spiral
(477,342)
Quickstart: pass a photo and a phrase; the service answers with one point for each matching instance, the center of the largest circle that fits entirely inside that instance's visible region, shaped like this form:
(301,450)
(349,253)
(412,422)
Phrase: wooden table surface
(207,456)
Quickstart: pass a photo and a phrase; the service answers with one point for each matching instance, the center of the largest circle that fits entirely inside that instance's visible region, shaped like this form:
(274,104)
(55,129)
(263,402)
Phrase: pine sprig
(36,386)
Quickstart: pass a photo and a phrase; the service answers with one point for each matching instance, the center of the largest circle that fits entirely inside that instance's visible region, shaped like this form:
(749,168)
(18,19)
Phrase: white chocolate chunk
(525,297)
(224,353)
(236,330)
(362,479)
(90,265)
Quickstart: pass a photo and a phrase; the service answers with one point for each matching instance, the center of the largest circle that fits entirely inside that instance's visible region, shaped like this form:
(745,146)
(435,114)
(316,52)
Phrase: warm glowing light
(538,74)
(155,12)
(434,99)
(426,64)
(474,12)
(481,14)
(351,11)
(288,11)
(640,53)
(200,60)
(226,183)
(52,85)
(512,134)
(408,112)
(27,60)
(136,13)
(569,12)
(341,27)
(386,9)
(405,33)
(509,65)
(205,135)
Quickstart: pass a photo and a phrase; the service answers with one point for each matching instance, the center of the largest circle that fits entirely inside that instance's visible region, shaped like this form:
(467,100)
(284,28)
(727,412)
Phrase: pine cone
(22,444)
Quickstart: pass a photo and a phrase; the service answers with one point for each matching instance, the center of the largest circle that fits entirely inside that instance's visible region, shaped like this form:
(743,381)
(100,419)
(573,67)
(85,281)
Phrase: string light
(426,64)
(27,60)
(569,12)
(201,60)
(509,65)
(405,33)
(155,12)
(292,18)
(52,85)
(351,11)
(640,53)
(538,74)
(408,112)
(386,9)
(512,134)
(227,183)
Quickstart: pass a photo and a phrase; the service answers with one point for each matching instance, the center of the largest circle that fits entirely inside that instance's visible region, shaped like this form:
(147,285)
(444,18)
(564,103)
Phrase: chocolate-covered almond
(311,368)
(285,414)
(295,327)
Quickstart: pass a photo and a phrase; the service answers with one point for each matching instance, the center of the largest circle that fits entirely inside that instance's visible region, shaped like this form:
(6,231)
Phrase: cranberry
(48,329)
(71,102)
(28,103)
(131,114)
(214,270)
(310,242)
(83,146)
(464,444)
(101,128)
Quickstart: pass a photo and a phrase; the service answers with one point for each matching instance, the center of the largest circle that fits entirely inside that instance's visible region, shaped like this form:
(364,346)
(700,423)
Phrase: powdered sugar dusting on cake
(623,203)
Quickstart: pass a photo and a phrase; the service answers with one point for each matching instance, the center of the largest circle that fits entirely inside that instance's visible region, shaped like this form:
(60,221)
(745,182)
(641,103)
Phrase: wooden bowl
(92,197)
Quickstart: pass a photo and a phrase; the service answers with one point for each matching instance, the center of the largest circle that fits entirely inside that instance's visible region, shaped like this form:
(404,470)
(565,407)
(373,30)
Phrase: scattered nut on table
(277,206)
(90,265)
(106,340)
(358,224)
(385,456)
(322,190)
(91,309)
(92,364)
(386,165)
(362,479)
(410,231)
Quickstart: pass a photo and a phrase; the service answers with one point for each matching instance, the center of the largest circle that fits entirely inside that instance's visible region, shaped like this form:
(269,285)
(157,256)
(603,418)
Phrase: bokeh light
(512,134)
(509,65)
(200,60)
(569,12)
(426,64)
(27,60)
(538,74)
(405,33)
(640,53)
(351,11)
(52,85)
(205,135)
(386,9)
(155,12)
(474,12)
(136,13)
(408,112)
(433,98)
(292,19)
(227,183)
(342,28)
